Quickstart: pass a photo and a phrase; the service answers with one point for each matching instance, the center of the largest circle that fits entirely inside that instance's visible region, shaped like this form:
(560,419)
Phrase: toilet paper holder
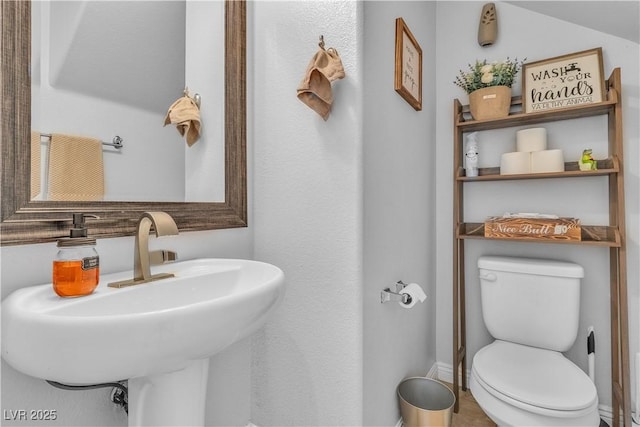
(388,295)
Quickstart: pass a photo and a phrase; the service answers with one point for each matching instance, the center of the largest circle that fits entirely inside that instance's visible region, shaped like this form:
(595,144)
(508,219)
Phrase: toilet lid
(534,376)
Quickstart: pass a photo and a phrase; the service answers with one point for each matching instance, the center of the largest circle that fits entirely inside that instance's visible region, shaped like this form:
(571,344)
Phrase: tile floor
(470,414)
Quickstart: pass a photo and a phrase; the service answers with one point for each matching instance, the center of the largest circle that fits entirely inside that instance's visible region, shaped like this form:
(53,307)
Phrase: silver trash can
(425,403)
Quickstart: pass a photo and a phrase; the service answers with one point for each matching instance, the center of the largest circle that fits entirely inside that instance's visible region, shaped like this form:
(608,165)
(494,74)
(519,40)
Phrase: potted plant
(489,87)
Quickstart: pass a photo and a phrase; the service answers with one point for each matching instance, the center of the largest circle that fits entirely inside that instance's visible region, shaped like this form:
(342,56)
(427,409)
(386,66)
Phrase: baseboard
(433,372)
(445,372)
(606,413)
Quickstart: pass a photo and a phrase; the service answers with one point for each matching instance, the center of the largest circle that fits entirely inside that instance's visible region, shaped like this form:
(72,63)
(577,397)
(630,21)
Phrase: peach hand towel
(315,88)
(35,164)
(185,114)
(76,169)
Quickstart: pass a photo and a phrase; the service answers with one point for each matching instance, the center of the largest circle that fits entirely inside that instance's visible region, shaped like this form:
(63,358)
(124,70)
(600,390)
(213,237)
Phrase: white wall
(307,362)
(527,34)
(117,50)
(399,215)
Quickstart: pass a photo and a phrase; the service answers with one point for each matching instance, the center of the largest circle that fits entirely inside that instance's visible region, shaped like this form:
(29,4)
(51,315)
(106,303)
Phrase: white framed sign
(563,82)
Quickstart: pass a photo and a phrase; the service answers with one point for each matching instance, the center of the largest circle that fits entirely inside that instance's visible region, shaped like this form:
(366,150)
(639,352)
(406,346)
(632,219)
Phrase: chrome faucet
(163,225)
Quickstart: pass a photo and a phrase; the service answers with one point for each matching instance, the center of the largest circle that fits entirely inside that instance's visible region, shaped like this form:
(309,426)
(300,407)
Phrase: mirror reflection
(107,69)
(25,221)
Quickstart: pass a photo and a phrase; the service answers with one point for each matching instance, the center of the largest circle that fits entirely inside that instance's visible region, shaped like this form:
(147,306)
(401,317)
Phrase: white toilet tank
(533,302)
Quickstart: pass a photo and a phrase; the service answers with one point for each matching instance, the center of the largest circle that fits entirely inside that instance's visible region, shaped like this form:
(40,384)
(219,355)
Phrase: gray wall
(399,214)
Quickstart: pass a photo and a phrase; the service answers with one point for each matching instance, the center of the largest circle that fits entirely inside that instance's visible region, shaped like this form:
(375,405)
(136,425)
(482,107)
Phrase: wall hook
(196,96)
(321,42)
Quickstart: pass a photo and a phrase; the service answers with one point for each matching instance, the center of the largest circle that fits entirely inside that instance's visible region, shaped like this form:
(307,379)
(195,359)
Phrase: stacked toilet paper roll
(547,161)
(515,163)
(531,155)
(530,140)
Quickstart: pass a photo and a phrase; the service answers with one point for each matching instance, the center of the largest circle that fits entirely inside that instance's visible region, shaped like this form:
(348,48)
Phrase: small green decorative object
(587,162)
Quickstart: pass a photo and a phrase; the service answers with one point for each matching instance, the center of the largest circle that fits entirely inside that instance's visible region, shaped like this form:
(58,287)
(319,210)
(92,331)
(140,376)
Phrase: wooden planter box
(533,228)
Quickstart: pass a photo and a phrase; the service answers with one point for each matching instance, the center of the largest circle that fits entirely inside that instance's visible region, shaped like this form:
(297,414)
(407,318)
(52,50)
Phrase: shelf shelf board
(520,118)
(592,235)
(571,170)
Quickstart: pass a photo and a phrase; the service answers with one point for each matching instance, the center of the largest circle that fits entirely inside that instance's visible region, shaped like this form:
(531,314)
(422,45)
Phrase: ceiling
(618,18)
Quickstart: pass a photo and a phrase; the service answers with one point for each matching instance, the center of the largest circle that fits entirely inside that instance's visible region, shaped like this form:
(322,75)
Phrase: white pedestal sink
(157,335)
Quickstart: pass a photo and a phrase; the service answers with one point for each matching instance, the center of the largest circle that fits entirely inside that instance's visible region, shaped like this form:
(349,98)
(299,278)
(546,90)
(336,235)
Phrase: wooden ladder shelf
(612,236)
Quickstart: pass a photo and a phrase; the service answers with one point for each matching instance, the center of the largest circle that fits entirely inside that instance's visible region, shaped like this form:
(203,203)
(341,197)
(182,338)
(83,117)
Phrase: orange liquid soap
(71,280)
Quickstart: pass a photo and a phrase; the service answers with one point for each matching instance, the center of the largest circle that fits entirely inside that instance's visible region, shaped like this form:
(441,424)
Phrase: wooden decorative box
(532,228)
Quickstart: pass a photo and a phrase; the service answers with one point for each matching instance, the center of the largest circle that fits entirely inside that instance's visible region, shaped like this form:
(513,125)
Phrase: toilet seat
(535,380)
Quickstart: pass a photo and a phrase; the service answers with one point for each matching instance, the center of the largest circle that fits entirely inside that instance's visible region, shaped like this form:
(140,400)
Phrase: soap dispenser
(76,267)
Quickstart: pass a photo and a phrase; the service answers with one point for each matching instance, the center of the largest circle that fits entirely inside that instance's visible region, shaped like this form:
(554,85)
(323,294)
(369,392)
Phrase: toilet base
(505,415)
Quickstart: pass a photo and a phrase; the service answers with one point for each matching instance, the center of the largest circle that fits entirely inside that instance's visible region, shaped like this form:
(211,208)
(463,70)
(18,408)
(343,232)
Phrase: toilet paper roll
(515,163)
(415,292)
(547,161)
(533,139)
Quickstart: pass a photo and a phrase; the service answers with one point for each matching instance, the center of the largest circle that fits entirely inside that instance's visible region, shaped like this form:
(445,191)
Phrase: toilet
(531,307)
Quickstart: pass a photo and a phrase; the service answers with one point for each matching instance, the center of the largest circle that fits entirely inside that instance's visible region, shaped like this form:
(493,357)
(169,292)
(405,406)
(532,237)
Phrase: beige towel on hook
(76,169)
(315,88)
(185,114)
(35,164)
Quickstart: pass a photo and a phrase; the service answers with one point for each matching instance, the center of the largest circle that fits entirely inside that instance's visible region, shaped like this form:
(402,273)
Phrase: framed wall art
(563,82)
(408,66)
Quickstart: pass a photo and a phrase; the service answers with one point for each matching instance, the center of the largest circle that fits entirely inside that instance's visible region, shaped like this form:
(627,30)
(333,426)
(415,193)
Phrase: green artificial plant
(484,74)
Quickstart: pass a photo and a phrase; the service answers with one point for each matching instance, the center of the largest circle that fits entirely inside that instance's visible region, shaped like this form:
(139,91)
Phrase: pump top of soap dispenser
(78,233)
(79,228)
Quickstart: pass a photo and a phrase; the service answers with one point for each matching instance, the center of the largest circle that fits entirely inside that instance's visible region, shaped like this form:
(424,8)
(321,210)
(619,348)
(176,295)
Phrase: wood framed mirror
(23,221)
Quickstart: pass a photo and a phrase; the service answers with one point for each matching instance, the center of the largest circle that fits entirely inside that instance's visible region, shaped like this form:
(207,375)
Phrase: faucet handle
(162,256)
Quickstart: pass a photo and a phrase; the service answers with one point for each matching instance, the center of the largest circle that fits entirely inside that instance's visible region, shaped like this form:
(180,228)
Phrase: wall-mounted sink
(157,335)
